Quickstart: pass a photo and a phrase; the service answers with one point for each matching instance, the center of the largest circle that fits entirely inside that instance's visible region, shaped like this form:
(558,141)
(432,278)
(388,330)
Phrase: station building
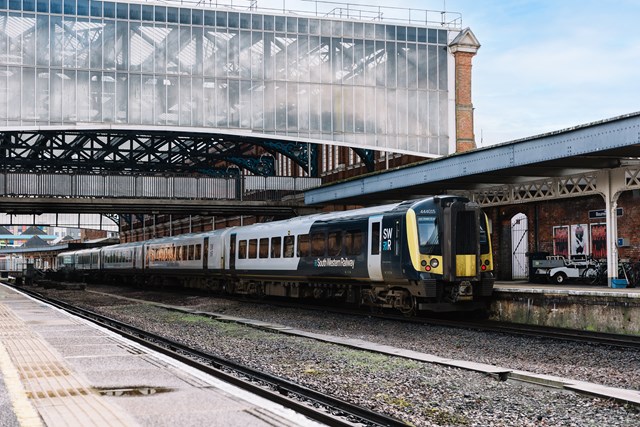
(363,93)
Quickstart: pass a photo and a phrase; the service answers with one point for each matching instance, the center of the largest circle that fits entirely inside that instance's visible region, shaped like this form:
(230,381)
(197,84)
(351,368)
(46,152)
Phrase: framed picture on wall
(579,240)
(561,240)
(599,240)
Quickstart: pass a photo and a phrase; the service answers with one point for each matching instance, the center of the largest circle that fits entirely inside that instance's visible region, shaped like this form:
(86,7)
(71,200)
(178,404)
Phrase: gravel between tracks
(418,393)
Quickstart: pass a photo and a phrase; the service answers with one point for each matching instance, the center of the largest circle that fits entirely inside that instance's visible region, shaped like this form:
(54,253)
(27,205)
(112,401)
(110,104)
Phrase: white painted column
(611,183)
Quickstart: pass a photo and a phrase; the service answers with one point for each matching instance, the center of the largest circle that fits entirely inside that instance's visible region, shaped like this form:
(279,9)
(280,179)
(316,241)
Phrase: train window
(288,246)
(353,242)
(334,243)
(375,238)
(253,248)
(276,247)
(303,245)
(198,251)
(191,252)
(242,249)
(428,235)
(318,244)
(263,251)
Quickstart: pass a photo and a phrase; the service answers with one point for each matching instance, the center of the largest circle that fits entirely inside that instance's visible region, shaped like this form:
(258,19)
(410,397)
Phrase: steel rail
(591,337)
(560,334)
(315,405)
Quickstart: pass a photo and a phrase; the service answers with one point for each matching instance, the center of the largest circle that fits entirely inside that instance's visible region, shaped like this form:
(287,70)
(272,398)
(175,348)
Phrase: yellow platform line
(42,387)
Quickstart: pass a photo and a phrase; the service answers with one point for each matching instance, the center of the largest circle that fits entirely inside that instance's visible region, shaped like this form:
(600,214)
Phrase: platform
(58,370)
(522,286)
(570,305)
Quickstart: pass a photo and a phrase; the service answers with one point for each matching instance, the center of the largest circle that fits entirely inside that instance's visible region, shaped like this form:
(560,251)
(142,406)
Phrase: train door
(232,252)
(374,258)
(205,253)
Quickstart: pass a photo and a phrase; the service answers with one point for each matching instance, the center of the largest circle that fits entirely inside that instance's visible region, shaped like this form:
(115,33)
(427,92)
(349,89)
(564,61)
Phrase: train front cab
(450,250)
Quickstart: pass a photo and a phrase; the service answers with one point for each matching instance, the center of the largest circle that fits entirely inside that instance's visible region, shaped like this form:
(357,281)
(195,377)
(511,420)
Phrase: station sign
(602,213)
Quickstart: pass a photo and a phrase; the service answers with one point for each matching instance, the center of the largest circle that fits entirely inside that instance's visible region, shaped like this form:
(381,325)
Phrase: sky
(543,65)
(548,65)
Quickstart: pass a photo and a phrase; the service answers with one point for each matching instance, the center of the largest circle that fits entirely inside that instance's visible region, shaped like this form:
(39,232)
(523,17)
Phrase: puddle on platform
(133,391)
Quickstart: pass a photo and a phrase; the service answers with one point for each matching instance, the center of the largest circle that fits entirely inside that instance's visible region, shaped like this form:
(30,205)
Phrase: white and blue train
(431,254)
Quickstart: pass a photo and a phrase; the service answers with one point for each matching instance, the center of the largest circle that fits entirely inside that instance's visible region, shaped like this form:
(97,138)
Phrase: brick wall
(465,139)
(558,213)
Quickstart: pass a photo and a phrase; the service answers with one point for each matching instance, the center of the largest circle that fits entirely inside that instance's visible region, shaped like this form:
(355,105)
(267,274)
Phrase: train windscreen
(428,235)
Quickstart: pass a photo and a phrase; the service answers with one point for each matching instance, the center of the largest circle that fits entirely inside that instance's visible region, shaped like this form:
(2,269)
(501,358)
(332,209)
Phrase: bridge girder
(154,151)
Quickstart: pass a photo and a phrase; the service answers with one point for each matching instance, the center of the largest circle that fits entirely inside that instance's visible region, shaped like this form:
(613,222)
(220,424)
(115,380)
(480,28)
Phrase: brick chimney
(464,47)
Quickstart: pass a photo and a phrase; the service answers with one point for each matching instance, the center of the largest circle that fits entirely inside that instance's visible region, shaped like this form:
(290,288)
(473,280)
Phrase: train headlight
(423,263)
(434,263)
(486,262)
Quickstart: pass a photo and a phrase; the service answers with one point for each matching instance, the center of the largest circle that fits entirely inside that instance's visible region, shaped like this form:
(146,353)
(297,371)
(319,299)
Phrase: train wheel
(410,308)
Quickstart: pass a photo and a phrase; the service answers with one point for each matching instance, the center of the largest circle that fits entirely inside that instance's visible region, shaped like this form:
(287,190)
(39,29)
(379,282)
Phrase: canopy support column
(611,182)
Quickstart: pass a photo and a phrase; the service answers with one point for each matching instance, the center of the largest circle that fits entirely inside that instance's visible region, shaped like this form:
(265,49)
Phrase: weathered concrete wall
(598,312)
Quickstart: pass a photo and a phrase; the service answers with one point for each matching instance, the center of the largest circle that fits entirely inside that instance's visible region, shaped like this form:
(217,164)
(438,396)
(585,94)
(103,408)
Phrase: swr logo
(387,235)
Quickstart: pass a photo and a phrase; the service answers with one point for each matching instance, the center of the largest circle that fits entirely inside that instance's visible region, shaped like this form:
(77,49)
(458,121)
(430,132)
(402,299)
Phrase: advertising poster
(580,240)
(599,241)
(561,241)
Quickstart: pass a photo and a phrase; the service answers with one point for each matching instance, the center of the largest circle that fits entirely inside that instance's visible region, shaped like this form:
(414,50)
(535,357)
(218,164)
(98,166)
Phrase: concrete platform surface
(58,370)
(520,286)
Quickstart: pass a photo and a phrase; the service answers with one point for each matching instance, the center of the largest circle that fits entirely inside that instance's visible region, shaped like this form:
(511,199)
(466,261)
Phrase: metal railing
(336,10)
(157,187)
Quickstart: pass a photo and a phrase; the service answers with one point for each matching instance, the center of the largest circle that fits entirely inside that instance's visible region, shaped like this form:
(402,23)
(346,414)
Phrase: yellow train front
(435,255)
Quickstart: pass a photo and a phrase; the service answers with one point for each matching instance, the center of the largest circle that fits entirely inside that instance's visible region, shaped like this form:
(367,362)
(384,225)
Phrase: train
(430,254)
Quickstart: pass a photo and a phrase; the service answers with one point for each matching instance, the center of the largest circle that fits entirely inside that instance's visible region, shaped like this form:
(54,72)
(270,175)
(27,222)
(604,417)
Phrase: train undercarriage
(408,298)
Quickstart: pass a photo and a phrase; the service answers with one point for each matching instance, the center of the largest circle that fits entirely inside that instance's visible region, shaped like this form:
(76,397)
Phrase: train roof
(125,245)
(180,237)
(354,213)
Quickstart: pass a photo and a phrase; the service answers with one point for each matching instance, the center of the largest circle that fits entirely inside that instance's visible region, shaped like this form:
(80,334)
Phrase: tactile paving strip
(61,397)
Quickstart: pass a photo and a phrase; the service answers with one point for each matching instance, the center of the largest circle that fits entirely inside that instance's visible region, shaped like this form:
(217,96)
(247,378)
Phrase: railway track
(317,406)
(563,334)
(600,338)
(492,370)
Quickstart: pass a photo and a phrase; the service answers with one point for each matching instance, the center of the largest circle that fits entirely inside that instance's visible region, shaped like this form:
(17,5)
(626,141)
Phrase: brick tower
(464,47)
